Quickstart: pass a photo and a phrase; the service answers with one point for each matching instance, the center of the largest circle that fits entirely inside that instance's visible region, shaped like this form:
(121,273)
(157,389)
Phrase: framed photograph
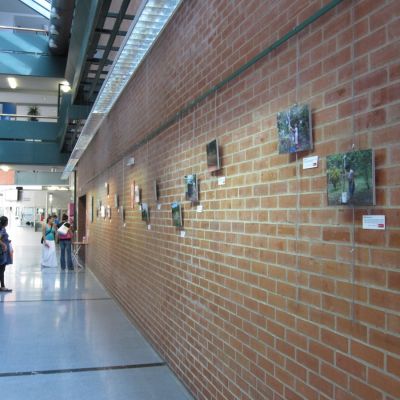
(192,189)
(137,194)
(294,129)
(116,200)
(91,208)
(213,160)
(121,212)
(177,214)
(156,191)
(102,211)
(108,211)
(145,213)
(351,178)
(132,194)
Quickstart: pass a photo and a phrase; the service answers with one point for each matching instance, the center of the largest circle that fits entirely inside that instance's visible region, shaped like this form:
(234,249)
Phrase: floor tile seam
(79,370)
(53,300)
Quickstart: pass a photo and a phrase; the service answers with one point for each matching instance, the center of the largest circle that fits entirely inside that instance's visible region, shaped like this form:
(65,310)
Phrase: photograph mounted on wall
(177,214)
(294,129)
(351,178)
(213,160)
(121,212)
(102,211)
(137,194)
(108,212)
(157,191)
(91,211)
(116,200)
(145,212)
(133,194)
(191,188)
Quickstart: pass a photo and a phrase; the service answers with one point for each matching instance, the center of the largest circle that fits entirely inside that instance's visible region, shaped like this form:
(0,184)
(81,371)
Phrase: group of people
(52,231)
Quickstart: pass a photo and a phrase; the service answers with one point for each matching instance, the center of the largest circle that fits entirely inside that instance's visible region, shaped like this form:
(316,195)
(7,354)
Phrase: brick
(393,365)
(384,382)
(334,374)
(371,80)
(364,391)
(334,340)
(385,55)
(368,354)
(384,341)
(385,299)
(336,234)
(351,366)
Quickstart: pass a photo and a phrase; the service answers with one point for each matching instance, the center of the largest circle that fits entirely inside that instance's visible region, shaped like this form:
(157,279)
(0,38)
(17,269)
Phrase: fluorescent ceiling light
(65,87)
(149,22)
(5,168)
(40,6)
(12,82)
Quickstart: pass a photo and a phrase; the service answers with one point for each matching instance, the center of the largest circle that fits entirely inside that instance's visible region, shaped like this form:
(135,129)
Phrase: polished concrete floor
(63,337)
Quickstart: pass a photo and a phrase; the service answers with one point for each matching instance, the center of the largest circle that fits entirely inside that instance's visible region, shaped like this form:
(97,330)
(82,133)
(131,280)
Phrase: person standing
(49,257)
(65,242)
(5,252)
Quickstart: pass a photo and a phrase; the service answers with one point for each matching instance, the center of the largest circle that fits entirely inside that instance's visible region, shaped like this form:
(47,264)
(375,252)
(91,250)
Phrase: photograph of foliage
(213,161)
(177,214)
(294,129)
(145,212)
(351,178)
(192,192)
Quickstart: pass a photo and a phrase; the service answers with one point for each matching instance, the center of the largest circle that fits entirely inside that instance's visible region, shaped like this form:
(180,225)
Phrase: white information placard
(374,222)
(221,181)
(199,208)
(310,162)
(183,234)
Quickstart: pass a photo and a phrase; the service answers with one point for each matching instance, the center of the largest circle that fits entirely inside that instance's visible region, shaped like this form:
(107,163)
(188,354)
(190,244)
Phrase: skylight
(42,7)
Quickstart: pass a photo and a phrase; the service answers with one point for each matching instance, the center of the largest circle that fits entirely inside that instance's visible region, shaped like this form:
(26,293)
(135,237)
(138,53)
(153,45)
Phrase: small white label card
(158,206)
(374,222)
(149,227)
(310,162)
(199,209)
(183,233)
(221,180)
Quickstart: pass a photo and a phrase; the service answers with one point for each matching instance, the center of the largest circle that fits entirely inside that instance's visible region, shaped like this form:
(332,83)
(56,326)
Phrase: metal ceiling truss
(97,62)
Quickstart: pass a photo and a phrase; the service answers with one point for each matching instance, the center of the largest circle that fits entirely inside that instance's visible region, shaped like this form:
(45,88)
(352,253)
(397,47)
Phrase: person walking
(5,252)
(49,257)
(65,237)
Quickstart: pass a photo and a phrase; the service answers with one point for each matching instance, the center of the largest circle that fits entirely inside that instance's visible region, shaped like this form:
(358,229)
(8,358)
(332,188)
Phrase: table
(76,246)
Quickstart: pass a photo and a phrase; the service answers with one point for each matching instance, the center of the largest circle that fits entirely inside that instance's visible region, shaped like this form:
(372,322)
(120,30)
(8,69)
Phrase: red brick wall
(260,300)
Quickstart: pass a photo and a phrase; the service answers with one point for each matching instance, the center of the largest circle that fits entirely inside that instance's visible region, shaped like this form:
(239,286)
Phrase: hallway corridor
(63,337)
